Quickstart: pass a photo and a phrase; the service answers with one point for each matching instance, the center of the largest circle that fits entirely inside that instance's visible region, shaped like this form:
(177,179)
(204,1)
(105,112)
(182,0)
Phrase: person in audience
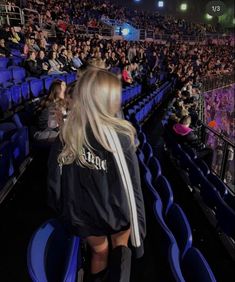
(4,52)
(186,136)
(126,76)
(56,67)
(32,67)
(84,176)
(52,112)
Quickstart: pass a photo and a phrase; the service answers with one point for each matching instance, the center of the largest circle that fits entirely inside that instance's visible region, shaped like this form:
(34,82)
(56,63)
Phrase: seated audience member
(63,59)
(53,111)
(32,67)
(186,136)
(126,76)
(42,61)
(56,67)
(3,50)
(76,62)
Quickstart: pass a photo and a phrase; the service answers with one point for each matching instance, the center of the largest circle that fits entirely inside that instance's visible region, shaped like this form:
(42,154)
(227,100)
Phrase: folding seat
(15,52)
(16,95)
(202,166)
(20,146)
(218,184)
(178,223)
(5,163)
(164,190)
(53,254)
(5,78)
(25,91)
(3,63)
(7,129)
(18,74)
(142,139)
(195,268)
(226,218)
(69,78)
(209,194)
(230,200)
(36,87)
(5,100)
(16,61)
(148,152)
(47,82)
(168,249)
(155,167)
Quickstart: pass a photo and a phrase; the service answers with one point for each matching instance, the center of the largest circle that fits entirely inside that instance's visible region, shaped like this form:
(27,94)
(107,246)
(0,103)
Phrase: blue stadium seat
(20,146)
(3,63)
(202,166)
(142,139)
(195,267)
(18,74)
(47,82)
(69,78)
(25,91)
(16,61)
(210,195)
(178,223)
(5,163)
(155,167)
(164,190)
(226,218)
(148,152)
(5,100)
(36,87)
(7,129)
(218,184)
(5,78)
(16,95)
(169,248)
(53,254)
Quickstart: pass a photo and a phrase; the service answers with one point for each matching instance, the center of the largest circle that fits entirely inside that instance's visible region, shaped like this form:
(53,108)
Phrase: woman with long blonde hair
(94,182)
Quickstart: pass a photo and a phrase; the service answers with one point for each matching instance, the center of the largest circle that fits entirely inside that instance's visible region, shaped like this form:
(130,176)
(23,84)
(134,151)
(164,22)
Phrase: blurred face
(63,88)
(54,55)
(2,42)
(41,55)
(33,56)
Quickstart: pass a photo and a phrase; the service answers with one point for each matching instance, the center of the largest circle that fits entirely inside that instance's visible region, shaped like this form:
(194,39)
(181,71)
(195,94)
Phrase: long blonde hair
(97,98)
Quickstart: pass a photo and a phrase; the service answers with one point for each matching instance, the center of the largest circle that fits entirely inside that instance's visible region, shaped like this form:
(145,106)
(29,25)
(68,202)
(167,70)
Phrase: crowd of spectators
(63,15)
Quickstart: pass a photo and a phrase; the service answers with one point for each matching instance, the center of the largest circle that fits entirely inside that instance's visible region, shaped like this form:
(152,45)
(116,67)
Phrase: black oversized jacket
(93,201)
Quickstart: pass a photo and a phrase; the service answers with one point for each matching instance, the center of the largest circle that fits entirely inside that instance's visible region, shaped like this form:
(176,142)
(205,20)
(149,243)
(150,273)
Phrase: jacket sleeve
(54,178)
(133,165)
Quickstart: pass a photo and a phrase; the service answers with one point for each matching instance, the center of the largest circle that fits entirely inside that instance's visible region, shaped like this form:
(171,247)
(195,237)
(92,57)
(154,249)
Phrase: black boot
(120,264)
(101,276)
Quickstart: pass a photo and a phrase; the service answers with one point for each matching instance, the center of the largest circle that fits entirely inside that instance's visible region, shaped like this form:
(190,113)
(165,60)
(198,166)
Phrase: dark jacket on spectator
(184,134)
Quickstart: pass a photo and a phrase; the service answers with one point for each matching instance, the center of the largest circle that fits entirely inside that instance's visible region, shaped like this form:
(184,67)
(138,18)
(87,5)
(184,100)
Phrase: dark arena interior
(117,130)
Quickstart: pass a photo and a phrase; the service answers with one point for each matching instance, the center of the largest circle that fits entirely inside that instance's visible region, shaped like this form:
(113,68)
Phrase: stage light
(208,17)
(137,1)
(160,4)
(183,6)
(125,31)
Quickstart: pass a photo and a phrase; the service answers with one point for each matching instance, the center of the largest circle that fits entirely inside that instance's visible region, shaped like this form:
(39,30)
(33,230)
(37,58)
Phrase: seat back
(52,254)
(148,152)
(169,250)
(179,225)
(195,267)
(155,167)
(164,190)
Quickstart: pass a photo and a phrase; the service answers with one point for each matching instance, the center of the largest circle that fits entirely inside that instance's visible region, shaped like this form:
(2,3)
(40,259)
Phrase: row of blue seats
(212,190)
(185,262)
(14,148)
(14,95)
(12,61)
(140,112)
(130,93)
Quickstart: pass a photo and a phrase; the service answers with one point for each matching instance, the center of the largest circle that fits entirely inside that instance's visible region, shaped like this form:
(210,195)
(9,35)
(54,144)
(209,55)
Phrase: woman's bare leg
(120,239)
(99,249)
